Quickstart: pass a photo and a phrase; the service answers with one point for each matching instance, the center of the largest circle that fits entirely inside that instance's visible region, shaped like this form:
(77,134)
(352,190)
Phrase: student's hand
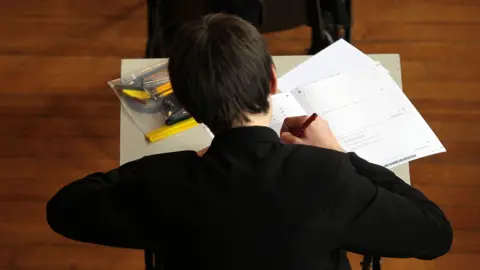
(317,134)
(202,152)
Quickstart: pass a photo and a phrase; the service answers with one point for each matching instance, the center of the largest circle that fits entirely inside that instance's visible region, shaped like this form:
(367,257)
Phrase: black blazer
(252,202)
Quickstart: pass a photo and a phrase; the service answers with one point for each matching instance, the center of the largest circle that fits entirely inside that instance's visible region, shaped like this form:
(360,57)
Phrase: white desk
(134,146)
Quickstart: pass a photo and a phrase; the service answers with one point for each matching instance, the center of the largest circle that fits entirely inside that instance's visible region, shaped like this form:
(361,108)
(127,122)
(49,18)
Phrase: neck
(258,120)
(262,120)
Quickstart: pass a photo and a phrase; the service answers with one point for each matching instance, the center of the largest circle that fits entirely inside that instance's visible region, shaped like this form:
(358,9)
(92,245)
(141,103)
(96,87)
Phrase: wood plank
(438,71)
(457,261)
(463,218)
(76,27)
(19,218)
(457,154)
(23,227)
(26,234)
(57,75)
(6,255)
(74,38)
(392,264)
(450,131)
(44,177)
(24,223)
(444,175)
(465,241)
(458,106)
(108,9)
(454,196)
(413,32)
(33,189)
(78,148)
(451,119)
(425,51)
(465,3)
(96,46)
(296,35)
(54,169)
(23,212)
(449,261)
(49,127)
(290,48)
(464,11)
(448,91)
(102,105)
(21,231)
(77,257)
(468,248)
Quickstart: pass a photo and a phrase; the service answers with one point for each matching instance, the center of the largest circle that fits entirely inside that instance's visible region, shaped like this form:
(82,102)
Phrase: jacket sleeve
(382,215)
(103,208)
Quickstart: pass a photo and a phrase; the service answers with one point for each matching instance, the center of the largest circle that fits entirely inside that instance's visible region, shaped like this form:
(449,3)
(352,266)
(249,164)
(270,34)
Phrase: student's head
(221,71)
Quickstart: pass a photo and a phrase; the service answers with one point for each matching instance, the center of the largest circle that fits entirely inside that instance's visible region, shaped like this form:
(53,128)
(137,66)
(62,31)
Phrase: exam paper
(370,115)
(340,57)
(284,105)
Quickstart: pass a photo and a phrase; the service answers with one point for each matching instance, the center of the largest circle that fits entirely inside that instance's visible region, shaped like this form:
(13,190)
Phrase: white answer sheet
(340,57)
(284,105)
(370,115)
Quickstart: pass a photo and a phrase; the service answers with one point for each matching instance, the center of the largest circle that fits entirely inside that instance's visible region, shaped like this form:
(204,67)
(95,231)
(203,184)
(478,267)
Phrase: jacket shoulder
(313,167)
(316,158)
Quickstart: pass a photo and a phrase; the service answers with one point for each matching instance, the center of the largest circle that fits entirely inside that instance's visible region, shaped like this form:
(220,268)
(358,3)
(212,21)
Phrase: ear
(273,83)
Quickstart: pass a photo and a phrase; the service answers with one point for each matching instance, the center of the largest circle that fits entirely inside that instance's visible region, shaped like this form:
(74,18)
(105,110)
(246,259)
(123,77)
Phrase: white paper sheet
(370,115)
(337,58)
(284,105)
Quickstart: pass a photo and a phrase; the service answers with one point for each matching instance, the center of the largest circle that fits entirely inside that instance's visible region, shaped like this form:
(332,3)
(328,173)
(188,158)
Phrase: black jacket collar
(245,137)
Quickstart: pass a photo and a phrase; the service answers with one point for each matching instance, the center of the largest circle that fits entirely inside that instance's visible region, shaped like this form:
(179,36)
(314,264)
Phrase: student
(252,200)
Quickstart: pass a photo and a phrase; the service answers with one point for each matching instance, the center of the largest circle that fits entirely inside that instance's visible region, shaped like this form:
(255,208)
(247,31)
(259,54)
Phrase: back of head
(221,71)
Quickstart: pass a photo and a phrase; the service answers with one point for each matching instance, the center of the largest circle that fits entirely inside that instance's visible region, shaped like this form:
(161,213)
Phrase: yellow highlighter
(165,131)
(163,90)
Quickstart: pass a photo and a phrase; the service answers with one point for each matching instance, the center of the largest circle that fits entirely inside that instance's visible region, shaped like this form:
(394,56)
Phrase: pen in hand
(319,133)
(305,125)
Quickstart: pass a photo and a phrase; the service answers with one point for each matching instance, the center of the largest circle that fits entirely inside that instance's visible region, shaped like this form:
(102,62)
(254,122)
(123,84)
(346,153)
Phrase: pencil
(164,87)
(166,93)
(305,125)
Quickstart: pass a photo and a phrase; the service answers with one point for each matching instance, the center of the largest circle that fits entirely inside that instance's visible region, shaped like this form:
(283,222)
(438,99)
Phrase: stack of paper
(367,111)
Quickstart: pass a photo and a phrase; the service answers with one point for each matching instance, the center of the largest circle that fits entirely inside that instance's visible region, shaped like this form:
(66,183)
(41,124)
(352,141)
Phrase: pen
(305,125)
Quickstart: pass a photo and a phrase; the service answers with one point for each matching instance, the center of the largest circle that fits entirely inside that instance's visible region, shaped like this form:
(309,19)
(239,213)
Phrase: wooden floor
(60,121)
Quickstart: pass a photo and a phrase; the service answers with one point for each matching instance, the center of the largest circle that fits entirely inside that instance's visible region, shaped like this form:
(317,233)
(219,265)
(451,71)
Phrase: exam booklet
(368,113)
(338,58)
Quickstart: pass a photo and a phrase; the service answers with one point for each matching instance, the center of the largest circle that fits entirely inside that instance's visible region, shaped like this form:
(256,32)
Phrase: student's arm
(384,216)
(375,212)
(104,208)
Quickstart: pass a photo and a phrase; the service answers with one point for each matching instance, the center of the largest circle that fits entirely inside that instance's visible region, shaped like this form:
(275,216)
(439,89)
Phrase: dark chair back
(328,19)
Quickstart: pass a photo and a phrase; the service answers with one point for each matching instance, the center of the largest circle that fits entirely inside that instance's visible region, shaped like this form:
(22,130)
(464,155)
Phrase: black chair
(328,19)
(152,262)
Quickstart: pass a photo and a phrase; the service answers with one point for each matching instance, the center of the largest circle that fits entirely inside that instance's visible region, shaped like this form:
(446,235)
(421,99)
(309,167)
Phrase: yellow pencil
(163,87)
(166,93)
(140,94)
